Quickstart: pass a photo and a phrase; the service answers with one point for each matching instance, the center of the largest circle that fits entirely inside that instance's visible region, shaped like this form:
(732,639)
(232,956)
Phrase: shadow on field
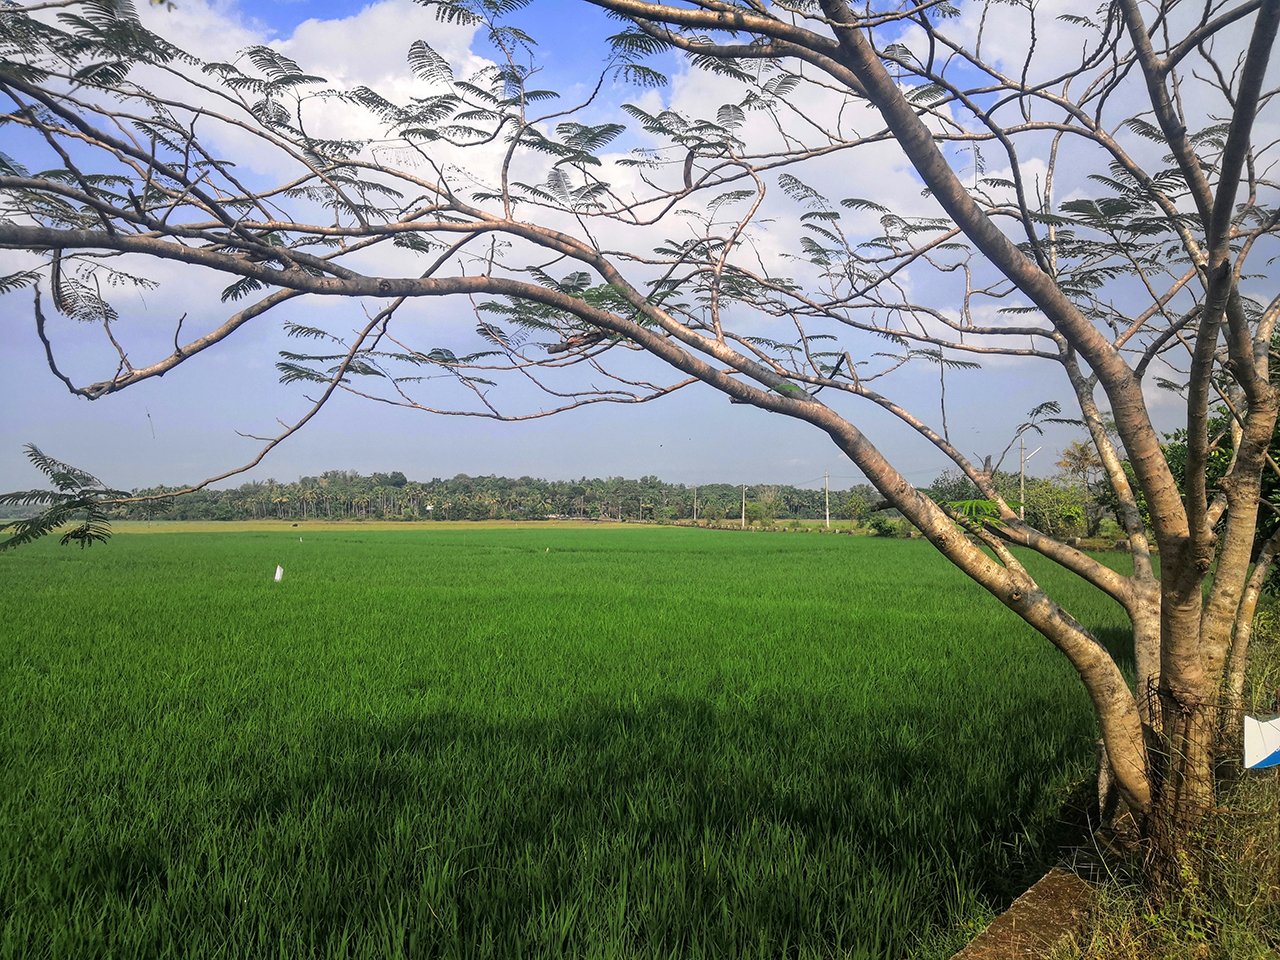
(1119,643)
(672,827)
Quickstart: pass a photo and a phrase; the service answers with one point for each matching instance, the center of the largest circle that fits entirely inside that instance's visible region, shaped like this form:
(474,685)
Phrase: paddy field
(520,742)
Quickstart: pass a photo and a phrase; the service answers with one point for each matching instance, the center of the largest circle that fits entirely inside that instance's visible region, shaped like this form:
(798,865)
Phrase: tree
(1053,507)
(1080,462)
(858,507)
(1049,506)
(769,502)
(579,263)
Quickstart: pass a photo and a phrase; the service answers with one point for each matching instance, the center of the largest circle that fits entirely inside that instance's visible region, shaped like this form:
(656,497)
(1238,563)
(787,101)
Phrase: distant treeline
(343,494)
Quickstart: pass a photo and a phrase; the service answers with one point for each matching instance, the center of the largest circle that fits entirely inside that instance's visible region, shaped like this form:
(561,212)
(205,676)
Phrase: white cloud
(369,47)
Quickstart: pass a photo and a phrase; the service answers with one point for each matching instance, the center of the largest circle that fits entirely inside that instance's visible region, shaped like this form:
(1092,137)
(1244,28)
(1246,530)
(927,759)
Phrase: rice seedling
(531,742)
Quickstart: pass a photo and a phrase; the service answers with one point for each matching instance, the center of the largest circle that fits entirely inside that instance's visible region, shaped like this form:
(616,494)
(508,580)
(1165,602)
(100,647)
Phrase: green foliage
(882,524)
(952,486)
(391,496)
(857,506)
(1053,507)
(976,510)
(1216,465)
(79,501)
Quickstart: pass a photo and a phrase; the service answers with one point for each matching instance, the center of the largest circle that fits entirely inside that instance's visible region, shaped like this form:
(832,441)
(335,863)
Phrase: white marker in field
(279,573)
(1261,742)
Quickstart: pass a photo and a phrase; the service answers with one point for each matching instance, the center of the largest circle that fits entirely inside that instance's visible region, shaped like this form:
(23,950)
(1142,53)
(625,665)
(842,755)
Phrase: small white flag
(279,573)
(1261,742)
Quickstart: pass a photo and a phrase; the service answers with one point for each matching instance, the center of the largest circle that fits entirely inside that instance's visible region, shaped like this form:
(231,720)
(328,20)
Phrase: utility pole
(826,493)
(1022,479)
(695,504)
(744,506)
(1023,457)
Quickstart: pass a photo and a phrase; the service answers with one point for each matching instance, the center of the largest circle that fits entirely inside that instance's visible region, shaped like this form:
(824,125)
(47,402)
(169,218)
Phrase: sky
(189,425)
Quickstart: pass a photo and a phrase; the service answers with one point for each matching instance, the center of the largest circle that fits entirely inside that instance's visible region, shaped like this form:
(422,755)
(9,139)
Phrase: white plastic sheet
(1261,742)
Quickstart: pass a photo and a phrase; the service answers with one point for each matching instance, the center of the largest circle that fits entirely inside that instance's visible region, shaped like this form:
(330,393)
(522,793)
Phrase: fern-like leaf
(80,502)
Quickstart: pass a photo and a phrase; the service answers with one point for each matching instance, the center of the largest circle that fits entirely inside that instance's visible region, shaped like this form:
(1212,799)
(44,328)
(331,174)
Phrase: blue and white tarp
(1261,742)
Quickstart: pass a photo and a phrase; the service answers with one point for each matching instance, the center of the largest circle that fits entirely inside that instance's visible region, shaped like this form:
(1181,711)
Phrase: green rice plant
(502,743)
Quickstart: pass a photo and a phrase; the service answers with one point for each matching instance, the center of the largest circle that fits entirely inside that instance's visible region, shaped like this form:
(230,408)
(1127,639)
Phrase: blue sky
(185,427)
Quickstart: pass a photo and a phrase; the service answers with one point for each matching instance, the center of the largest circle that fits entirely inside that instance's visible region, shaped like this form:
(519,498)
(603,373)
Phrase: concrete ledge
(1038,921)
